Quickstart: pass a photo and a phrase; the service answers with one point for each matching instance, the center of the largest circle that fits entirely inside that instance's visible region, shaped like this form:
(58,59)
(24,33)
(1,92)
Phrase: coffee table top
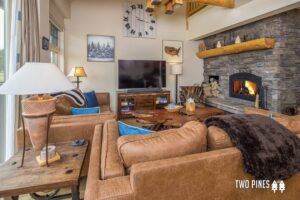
(33,178)
(175,119)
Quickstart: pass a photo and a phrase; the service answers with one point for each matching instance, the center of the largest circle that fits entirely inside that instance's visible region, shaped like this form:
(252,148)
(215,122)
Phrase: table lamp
(37,79)
(77,72)
(176,70)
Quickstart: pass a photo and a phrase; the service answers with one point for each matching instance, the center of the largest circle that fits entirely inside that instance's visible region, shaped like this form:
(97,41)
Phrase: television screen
(136,74)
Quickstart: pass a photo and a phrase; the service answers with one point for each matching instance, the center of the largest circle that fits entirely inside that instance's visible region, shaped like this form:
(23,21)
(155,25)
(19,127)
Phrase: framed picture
(100,48)
(45,43)
(172,51)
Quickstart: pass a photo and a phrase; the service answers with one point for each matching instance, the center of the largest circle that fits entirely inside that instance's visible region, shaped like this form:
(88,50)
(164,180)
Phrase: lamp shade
(36,78)
(176,69)
(77,72)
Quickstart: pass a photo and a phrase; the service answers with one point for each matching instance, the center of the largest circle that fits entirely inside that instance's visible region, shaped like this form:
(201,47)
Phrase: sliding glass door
(2,79)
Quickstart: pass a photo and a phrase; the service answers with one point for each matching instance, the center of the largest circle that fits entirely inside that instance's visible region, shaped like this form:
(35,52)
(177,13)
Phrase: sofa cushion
(111,164)
(189,139)
(125,129)
(217,138)
(91,99)
(85,111)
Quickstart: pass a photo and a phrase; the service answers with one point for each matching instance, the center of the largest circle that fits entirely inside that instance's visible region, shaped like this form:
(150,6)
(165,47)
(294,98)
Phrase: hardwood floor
(62,191)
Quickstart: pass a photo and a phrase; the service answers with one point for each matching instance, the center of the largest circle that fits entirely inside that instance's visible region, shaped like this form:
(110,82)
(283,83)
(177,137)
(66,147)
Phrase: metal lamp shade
(77,72)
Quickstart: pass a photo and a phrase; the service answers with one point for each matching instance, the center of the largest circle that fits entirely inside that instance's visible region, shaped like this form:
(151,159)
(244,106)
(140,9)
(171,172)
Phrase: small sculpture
(237,40)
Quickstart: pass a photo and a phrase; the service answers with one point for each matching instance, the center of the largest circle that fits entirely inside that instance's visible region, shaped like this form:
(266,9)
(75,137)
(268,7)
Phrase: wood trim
(221,3)
(258,44)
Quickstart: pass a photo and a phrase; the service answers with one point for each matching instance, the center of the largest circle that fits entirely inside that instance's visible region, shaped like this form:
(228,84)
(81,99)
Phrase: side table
(32,178)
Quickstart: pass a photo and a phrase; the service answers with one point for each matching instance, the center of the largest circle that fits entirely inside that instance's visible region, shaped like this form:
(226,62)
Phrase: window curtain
(30,45)
(24,47)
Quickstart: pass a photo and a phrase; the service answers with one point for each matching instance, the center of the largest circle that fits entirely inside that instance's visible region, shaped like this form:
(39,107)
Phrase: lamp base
(36,110)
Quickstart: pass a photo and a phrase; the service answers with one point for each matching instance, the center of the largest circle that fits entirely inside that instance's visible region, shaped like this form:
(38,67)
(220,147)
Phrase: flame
(251,87)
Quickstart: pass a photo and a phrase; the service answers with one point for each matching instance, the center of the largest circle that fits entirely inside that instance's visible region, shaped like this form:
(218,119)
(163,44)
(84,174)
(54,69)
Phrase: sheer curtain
(24,47)
(14,37)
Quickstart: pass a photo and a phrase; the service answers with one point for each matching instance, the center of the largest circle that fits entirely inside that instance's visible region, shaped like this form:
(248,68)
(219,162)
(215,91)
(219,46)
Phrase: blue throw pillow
(85,111)
(91,99)
(125,129)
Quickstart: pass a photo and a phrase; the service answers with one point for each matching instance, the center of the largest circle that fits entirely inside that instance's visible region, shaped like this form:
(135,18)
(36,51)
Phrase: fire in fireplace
(246,86)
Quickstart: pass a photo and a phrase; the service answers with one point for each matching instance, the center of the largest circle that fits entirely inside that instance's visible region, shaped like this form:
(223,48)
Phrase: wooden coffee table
(31,178)
(162,119)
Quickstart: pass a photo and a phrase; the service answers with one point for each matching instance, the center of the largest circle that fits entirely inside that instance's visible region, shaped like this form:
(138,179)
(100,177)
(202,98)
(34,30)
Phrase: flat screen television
(142,74)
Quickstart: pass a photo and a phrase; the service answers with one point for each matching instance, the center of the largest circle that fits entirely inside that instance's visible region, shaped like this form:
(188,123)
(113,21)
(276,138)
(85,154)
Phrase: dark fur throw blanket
(270,151)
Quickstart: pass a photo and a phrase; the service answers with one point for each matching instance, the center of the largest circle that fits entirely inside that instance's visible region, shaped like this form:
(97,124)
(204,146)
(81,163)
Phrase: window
(54,44)
(2,45)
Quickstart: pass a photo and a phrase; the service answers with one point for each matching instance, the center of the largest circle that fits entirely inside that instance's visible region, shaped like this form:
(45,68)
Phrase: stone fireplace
(274,74)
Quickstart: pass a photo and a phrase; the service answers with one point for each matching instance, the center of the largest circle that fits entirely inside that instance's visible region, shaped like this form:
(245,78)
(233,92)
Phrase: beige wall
(43,9)
(212,19)
(105,18)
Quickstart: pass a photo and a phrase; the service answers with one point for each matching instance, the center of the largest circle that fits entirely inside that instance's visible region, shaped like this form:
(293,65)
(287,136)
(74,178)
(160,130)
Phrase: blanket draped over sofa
(269,150)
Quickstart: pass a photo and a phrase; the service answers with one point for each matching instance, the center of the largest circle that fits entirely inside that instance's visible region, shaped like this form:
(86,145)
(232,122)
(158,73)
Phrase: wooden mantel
(258,44)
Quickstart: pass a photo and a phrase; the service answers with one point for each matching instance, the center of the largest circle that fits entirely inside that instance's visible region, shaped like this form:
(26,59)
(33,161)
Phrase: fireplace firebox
(246,86)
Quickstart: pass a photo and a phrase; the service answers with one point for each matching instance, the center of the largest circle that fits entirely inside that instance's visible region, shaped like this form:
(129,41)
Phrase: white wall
(43,9)
(213,20)
(105,18)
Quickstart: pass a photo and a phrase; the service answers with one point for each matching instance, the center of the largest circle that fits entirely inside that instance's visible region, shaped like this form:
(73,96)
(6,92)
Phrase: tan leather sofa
(206,175)
(72,127)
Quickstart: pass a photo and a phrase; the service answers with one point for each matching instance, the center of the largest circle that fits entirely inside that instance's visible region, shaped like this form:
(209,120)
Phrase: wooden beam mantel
(252,45)
(222,3)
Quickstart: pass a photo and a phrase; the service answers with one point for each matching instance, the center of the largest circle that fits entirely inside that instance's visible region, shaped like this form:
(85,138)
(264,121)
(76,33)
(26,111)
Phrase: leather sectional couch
(174,168)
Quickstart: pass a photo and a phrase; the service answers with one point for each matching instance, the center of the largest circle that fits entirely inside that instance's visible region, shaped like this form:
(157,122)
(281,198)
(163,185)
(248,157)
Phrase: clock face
(137,22)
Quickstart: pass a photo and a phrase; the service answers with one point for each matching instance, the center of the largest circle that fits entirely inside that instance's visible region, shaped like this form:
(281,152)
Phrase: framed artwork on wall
(45,43)
(172,51)
(100,48)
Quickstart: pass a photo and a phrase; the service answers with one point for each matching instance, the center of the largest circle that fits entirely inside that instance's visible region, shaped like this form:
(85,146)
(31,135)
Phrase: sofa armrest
(91,191)
(111,164)
(189,177)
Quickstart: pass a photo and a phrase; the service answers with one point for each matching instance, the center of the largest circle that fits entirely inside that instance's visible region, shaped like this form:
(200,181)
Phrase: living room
(146,99)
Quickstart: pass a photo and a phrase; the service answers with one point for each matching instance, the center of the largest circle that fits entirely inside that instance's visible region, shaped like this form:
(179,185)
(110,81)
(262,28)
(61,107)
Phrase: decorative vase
(35,111)
(190,105)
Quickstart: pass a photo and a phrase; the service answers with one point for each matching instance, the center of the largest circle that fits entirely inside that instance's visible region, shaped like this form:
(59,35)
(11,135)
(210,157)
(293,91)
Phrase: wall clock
(137,22)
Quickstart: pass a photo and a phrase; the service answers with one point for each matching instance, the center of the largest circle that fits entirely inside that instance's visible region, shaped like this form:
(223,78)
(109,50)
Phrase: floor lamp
(37,79)
(176,70)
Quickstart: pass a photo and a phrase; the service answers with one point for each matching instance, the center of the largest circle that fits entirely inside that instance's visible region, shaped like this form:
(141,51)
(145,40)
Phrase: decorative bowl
(174,109)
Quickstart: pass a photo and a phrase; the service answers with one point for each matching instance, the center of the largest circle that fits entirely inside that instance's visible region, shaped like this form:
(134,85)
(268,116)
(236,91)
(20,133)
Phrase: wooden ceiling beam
(222,3)
(149,6)
(156,2)
(169,8)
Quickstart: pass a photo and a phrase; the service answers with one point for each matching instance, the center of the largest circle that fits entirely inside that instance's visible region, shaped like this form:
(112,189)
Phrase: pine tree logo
(274,186)
(281,186)
(278,185)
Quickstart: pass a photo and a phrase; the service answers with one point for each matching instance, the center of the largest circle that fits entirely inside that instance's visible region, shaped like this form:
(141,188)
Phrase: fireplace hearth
(246,86)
